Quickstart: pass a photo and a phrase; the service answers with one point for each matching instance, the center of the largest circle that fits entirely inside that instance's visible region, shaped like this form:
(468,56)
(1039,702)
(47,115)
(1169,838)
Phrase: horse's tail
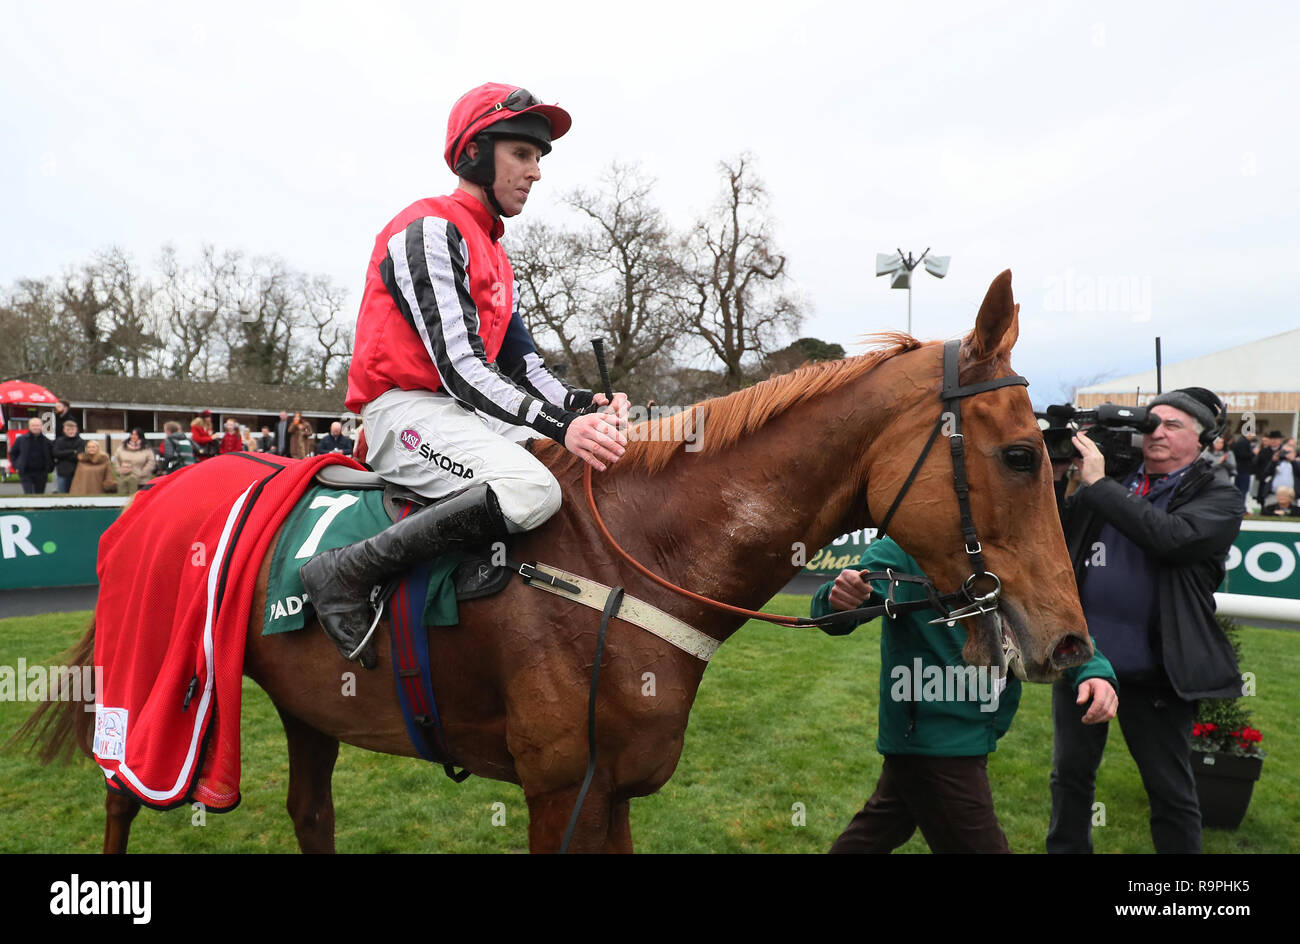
(56,727)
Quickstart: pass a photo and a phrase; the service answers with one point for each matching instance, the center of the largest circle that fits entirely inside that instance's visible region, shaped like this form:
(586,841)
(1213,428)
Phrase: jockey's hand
(850,591)
(596,439)
(619,409)
(1104,700)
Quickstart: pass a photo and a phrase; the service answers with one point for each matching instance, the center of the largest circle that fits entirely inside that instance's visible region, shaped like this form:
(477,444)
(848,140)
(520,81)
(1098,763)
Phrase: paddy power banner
(1264,560)
(52,547)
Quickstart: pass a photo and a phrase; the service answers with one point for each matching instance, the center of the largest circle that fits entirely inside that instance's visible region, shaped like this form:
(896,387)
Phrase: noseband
(974,603)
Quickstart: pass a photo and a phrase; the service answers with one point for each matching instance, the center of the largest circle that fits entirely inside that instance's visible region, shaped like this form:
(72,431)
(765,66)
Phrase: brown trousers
(949,798)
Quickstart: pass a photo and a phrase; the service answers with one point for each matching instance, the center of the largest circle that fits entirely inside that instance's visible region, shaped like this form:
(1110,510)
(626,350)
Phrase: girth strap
(637,612)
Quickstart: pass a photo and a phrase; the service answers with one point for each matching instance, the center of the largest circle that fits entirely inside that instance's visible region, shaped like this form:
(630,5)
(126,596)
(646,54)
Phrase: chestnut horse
(795,460)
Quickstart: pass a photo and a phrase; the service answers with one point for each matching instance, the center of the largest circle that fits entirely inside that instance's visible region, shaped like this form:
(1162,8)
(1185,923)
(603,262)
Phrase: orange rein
(751,614)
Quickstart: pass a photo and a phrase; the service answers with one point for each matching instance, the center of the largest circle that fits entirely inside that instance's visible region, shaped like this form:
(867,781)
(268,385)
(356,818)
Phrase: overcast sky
(1133,164)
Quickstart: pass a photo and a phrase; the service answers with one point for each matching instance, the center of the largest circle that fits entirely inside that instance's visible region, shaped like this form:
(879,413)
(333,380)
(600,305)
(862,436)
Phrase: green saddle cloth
(329,517)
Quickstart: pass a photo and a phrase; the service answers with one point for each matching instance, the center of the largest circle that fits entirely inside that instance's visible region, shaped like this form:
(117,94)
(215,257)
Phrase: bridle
(952,395)
(971,602)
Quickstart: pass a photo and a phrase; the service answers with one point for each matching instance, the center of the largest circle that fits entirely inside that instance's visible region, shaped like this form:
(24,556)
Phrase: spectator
(1148,553)
(32,458)
(231,441)
(1285,473)
(66,449)
(134,462)
(201,435)
(301,437)
(94,475)
(176,450)
(335,441)
(1266,465)
(1243,451)
(283,431)
(266,442)
(246,437)
(1223,461)
(1286,506)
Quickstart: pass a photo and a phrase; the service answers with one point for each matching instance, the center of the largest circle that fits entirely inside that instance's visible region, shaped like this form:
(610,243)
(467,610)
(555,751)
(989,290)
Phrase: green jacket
(931,702)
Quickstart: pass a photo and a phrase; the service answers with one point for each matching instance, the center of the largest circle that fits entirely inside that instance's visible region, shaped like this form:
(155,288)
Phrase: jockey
(446,378)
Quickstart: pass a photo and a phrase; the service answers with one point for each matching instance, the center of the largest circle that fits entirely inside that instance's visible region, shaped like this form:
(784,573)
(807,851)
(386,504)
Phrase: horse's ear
(998,324)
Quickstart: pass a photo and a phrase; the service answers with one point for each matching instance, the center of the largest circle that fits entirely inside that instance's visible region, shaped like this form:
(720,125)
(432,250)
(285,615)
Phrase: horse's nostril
(1071,650)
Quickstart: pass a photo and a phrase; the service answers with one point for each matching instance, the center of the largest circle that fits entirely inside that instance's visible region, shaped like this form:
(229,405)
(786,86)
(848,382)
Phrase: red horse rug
(177,573)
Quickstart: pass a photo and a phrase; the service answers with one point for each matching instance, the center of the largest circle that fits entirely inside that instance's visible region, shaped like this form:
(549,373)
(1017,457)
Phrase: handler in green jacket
(939,719)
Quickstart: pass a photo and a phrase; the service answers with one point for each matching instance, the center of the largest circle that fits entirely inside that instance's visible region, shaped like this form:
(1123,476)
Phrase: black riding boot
(339,581)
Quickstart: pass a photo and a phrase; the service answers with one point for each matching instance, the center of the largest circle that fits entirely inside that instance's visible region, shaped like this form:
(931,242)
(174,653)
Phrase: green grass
(784,716)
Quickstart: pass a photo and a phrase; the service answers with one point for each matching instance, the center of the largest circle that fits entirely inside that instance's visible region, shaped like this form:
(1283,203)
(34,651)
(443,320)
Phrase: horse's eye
(1021,459)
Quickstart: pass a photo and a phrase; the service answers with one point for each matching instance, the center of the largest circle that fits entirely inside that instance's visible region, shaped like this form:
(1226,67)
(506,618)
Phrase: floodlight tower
(900,267)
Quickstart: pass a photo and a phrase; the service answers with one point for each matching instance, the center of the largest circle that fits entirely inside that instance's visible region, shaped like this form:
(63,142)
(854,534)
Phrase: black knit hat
(1196,402)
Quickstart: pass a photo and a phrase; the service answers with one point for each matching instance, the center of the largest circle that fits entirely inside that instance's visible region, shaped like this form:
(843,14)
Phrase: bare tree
(617,278)
(129,337)
(741,304)
(39,335)
(225,316)
(260,321)
(190,302)
(324,365)
(81,296)
(546,270)
(635,289)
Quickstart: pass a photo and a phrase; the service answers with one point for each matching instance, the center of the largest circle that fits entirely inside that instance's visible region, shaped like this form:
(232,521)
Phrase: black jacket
(32,455)
(1189,544)
(1244,453)
(330,442)
(66,449)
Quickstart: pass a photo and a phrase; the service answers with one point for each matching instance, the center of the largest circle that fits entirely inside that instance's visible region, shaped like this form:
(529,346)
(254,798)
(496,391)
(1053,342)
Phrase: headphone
(1209,435)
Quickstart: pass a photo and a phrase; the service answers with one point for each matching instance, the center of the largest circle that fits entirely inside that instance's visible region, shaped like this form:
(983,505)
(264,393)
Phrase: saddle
(474,578)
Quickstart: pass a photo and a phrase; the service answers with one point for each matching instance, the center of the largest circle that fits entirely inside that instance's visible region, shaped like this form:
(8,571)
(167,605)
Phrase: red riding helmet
(497,110)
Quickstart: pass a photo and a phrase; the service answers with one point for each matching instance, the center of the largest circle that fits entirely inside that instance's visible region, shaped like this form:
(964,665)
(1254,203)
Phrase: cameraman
(1148,553)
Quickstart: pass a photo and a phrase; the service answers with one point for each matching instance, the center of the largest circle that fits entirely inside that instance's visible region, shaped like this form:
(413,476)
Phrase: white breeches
(432,445)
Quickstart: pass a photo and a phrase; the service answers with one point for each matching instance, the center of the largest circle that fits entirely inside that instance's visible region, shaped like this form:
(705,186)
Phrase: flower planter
(1224,783)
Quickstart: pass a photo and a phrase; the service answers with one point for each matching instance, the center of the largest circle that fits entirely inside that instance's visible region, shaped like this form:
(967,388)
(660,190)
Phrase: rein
(952,394)
(646,572)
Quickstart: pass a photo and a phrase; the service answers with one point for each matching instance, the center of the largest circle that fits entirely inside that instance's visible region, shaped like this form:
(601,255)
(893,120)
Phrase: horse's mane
(720,422)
